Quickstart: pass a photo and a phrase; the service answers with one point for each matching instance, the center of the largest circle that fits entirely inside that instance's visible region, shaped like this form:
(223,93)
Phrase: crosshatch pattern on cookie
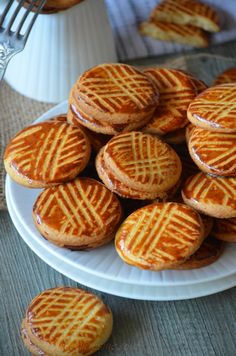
(69,319)
(216,106)
(187,12)
(142,158)
(159,234)
(176,92)
(79,208)
(112,87)
(48,151)
(216,151)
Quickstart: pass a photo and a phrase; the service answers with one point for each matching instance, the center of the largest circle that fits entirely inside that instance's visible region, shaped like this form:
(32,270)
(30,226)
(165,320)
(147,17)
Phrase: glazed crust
(63,309)
(215,109)
(47,154)
(159,236)
(81,214)
(214,196)
(115,94)
(176,93)
(228,76)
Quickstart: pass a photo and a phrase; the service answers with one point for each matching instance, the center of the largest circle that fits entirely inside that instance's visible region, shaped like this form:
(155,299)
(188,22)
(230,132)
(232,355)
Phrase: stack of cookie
(182,21)
(212,146)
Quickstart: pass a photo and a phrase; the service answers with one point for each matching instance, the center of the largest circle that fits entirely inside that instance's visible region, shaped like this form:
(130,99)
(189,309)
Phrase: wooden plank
(204,326)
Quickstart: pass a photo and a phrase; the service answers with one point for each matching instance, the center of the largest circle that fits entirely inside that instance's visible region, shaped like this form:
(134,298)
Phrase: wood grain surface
(204,326)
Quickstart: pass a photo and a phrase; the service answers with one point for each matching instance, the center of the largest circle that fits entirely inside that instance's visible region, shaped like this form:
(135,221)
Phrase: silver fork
(13,42)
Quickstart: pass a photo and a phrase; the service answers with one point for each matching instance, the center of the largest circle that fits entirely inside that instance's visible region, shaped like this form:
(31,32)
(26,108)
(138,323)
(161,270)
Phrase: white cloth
(125,15)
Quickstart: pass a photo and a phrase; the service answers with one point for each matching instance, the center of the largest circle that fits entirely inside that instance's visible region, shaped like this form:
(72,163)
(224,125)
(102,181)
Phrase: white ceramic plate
(104,262)
(158,293)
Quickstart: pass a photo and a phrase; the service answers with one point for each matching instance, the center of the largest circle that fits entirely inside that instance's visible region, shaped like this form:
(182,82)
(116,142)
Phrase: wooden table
(204,326)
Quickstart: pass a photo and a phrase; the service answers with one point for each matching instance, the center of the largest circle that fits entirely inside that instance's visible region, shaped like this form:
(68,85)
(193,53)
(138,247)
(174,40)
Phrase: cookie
(225,229)
(67,321)
(214,196)
(187,12)
(78,118)
(142,162)
(228,76)
(188,129)
(213,152)
(159,236)
(33,349)
(54,5)
(176,93)
(81,214)
(185,34)
(199,84)
(114,94)
(215,109)
(209,252)
(46,154)
(208,225)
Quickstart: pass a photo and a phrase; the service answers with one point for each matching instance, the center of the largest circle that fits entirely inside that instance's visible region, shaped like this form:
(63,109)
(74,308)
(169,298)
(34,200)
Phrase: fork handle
(6,53)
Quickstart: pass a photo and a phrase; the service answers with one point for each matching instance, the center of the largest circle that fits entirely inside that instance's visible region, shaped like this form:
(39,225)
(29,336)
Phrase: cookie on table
(228,76)
(66,321)
(214,196)
(185,34)
(187,12)
(225,229)
(139,163)
(215,109)
(209,252)
(46,154)
(213,152)
(176,93)
(159,236)
(114,94)
(82,214)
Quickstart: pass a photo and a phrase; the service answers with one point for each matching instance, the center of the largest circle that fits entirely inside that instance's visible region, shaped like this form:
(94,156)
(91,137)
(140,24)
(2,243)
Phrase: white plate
(126,290)
(104,262)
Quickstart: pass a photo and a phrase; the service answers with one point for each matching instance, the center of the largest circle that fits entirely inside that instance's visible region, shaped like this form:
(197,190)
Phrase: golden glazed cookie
(67,321)
(159,236)
(213,152)
(55,5)
(209,252)
(77,118)
(33,349)
(81,214)
(215,109)
(185,34)
(214,196)
(176,93)
(199,84)
(187,12)
(228,76)
(46,154)
(142,162)
(225,229)
(114,94)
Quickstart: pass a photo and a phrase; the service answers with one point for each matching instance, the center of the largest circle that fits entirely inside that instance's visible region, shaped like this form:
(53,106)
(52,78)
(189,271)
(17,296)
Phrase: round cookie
(115,93)
(159,236)
(225,229)
(213,152)
(81,214)
(46,154)
(68,321)
(176,93)
(228,76)
(199,84)
(76,117)
(215,109)
(116,186)
(214,196)
(142,162)
(33,349)
(209,252)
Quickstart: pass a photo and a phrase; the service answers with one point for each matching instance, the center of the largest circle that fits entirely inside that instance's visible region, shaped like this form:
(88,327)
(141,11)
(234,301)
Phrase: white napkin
(125,15)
